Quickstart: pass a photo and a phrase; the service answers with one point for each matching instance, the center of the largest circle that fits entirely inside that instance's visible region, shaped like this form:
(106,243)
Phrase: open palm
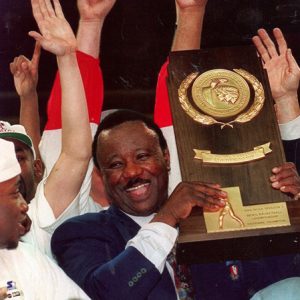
(281,76)
(56,35)
(283,70)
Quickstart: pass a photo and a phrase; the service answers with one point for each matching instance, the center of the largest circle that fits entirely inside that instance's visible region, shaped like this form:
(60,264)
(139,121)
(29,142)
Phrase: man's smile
(138,190)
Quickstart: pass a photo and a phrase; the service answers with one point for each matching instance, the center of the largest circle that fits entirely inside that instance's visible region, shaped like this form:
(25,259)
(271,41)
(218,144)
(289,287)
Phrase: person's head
(13,207)
(31,169)
(132,155)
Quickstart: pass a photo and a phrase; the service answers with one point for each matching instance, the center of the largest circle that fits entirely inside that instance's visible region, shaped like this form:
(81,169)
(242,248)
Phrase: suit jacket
(91,250)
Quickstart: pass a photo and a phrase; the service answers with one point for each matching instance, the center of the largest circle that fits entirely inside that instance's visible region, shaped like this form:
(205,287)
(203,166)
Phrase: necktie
(183,278)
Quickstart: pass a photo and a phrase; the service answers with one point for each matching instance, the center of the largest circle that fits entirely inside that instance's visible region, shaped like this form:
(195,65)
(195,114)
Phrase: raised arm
(187,36)
(92,16)
(283,73)
(190,15)
(56,36)
(25,73)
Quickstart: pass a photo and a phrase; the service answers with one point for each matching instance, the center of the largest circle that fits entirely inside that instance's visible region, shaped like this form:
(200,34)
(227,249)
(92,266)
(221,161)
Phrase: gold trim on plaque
(258,152)
(236,216)
(248,115)
(221,93)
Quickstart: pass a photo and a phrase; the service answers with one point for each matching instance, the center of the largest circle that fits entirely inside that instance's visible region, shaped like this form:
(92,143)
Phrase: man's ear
(166,154)
(38,169)
(98,192)
(97,172)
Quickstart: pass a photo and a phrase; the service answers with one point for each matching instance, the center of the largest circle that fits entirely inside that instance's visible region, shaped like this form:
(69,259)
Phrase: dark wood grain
(195,244)
(252,177)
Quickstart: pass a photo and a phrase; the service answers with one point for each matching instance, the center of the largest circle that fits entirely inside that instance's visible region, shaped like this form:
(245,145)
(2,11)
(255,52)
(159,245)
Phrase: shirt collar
(140,220)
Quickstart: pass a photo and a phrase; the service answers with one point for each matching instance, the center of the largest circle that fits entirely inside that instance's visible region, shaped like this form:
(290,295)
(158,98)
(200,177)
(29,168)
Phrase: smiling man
(13,207)
(24,271)
(122,253)
(134,195)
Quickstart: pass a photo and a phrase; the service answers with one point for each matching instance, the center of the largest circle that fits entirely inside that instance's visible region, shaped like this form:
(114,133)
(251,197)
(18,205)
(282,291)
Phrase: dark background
(136,38)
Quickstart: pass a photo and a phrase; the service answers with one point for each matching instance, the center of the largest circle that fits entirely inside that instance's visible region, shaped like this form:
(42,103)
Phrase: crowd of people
(90,208)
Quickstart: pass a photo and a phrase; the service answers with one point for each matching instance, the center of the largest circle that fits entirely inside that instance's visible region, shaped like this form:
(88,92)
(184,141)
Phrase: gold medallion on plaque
(221,93)
(221,97)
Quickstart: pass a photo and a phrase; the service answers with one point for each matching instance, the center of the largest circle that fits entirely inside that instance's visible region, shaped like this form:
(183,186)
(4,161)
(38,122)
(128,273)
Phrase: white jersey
(44,222)
(44,280)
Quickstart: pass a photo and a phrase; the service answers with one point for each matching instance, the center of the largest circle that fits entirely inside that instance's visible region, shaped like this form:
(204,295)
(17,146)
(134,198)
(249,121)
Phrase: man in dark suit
(122,253)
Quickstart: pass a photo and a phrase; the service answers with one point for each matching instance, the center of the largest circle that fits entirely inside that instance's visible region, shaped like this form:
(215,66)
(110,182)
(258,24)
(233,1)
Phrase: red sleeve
(162,110)
(93,85)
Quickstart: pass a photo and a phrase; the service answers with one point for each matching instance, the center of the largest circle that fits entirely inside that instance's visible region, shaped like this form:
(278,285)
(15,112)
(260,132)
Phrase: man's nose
(23,204)
(132,170)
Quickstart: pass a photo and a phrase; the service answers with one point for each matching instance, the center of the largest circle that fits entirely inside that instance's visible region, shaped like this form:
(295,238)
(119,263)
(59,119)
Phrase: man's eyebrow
(17,183)
(109,158)
(19,149)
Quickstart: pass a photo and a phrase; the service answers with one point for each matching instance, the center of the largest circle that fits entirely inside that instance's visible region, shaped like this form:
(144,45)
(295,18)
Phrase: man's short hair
(121,116)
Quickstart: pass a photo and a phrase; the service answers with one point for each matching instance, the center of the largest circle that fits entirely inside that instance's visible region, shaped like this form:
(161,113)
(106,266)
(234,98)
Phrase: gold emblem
(258,152)
(235,216)
(220,94)
(228,210)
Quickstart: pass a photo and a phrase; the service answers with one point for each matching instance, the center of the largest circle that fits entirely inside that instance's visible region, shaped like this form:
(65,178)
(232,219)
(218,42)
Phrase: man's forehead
(129,128)
(9,185)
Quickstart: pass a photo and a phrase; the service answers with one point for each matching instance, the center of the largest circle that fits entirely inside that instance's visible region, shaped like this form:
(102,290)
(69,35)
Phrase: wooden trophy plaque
(226,132)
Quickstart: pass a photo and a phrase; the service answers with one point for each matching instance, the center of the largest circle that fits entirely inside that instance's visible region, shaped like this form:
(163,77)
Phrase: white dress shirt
(155,241)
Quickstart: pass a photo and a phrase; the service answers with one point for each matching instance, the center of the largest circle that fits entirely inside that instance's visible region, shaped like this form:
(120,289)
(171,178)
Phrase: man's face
(134,168)
(13,210)
(26,161)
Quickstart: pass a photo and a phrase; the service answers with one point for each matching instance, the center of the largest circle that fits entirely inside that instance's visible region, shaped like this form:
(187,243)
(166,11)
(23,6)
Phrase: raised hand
(94,10)
(187,195)
(283,70)
(286,179)
(189,20)
(56,34)
(190,3)
(25,72)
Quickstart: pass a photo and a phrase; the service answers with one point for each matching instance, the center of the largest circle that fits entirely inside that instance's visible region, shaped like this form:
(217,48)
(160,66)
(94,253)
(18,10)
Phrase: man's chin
(12,245)
(26,224)
(145,212)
